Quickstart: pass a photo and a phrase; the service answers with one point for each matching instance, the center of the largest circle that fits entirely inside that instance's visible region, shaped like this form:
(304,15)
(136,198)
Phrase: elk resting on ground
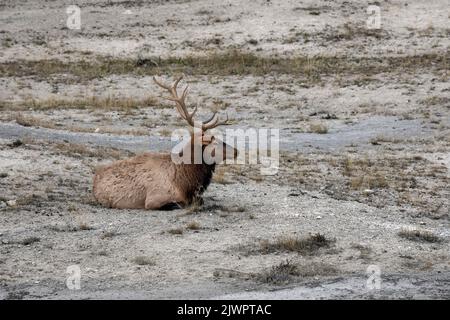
(154,180)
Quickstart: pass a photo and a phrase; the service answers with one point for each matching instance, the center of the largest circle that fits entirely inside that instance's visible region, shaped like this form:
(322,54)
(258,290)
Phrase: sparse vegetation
(94,102)
(193,225)
(419,235)
(364,140)
(308,245)
(82,226)
(33,121)
(177,231)
(108,234)
(287,271)
(29,240)
(165,132)
(78,150)
(144,261)
(436,100)
(195,206)
(232,62)
(364,251)
(320,128)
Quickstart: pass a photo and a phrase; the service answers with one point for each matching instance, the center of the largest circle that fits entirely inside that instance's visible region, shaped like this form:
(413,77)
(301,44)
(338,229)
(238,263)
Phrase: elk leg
(154,202)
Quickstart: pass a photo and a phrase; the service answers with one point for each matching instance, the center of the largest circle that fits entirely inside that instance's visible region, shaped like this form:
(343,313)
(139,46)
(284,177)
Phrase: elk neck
(193,179)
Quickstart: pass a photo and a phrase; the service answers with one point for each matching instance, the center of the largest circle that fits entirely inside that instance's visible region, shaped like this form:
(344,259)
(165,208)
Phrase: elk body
(154,180)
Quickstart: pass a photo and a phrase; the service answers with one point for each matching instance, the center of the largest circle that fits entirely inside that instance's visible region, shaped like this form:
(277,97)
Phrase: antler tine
(162,85)
(179,101)
(175,84)
(213,124)
(180,104)
(209,120)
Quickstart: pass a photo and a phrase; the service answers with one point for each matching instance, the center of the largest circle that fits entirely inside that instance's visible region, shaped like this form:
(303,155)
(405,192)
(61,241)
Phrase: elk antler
(180,103)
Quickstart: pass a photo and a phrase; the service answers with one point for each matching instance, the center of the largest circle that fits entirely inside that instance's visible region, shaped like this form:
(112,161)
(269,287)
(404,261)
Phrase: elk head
(215,147)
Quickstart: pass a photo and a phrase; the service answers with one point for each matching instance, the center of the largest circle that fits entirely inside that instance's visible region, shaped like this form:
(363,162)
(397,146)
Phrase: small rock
(11,203)
(319,217)
(97,130)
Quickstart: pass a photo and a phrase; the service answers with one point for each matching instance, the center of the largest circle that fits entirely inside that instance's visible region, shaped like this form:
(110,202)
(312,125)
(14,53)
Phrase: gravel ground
(364,149)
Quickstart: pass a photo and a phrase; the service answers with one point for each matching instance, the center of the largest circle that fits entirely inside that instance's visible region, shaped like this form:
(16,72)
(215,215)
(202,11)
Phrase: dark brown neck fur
(193,179)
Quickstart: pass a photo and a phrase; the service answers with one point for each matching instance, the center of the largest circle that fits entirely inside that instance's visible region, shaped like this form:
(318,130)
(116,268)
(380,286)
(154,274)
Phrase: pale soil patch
(364,151)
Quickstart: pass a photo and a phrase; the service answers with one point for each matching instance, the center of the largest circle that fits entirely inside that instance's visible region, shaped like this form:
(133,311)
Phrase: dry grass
(32,121)
(195,207)
(320,128)
(233,62)
(286,272)
(382,138)
(176,231)
(364,251)
(363,174)
(82,226)
(368,182)
(376,178)
(29,240)
(193,225)
(232,209)
(436,100)
(165,132)
(219,176)
(419,235)
(79,150)
(108,234)
(94,102)
(306,246)
(349,31)
(143,261)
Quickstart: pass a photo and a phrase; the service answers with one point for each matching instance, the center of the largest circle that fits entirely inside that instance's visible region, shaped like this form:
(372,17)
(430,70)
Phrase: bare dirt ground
(364,119)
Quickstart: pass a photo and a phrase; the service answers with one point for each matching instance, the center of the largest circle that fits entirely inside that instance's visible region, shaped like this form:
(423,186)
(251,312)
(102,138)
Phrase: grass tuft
(320,128)
(419,235)
(178,231)
(144,261)
(287,271)
(307,245)
(193,225)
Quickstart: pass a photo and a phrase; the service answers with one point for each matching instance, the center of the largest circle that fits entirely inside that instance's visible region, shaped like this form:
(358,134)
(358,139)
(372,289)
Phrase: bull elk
(154,180)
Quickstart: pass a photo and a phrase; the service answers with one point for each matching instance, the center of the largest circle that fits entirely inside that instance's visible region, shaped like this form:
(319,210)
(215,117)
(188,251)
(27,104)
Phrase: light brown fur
(150,181)
(153,180)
